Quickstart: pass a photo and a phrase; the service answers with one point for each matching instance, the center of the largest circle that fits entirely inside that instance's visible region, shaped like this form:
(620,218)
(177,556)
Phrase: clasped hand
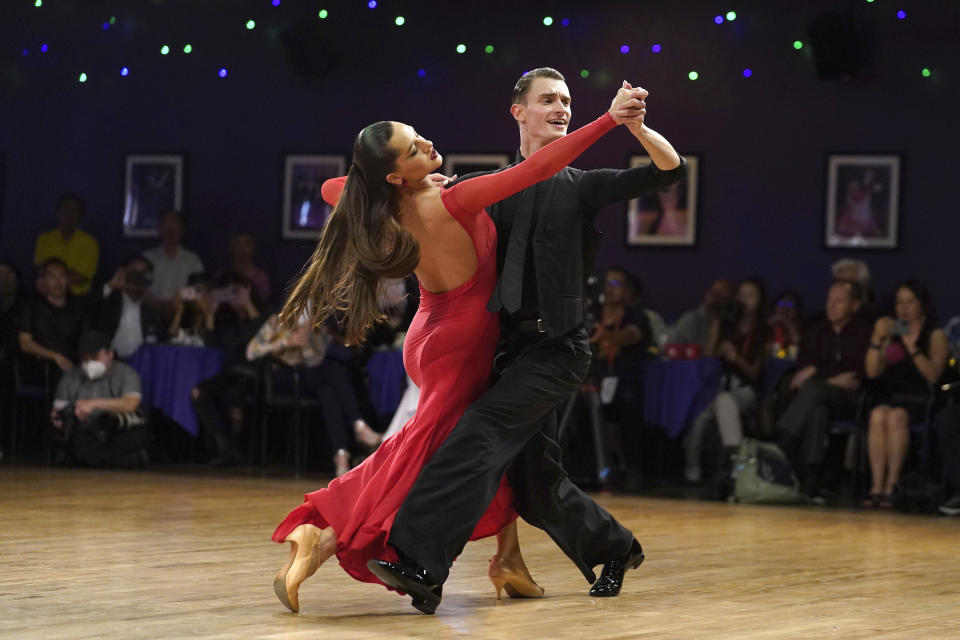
(629,105)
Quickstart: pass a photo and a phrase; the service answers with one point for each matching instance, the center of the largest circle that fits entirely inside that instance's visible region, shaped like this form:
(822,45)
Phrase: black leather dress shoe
(411,578)
(611,578)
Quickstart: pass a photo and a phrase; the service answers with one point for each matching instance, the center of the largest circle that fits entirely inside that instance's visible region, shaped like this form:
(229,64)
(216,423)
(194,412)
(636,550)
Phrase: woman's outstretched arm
(477,193)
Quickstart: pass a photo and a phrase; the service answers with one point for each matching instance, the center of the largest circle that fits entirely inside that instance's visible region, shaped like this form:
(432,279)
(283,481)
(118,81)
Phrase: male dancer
(545,234)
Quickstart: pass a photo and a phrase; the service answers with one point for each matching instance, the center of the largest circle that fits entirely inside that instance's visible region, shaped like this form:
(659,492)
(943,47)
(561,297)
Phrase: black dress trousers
(511,427)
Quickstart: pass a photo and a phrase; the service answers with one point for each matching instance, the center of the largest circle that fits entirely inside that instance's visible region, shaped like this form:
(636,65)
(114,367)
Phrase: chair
(293,402)
(38,393)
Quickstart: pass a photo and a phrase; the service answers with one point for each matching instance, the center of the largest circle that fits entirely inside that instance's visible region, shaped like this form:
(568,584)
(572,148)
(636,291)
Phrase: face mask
(94,369)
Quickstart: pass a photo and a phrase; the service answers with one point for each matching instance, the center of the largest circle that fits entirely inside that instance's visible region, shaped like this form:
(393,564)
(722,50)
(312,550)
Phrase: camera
(224,294)
(729,312)
(188,294)
(138,278)
(900,327)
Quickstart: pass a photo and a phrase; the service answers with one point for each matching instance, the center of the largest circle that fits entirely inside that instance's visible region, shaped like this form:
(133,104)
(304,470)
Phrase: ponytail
(360,244)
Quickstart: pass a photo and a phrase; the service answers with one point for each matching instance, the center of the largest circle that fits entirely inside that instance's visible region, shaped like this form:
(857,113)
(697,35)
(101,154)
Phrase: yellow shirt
(81,254)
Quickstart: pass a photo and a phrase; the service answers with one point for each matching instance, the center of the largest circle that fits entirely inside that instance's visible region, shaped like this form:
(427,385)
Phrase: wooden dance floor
(100,554)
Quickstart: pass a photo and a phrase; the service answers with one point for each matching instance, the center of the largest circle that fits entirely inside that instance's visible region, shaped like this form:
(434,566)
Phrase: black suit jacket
(565,236)
(108,320)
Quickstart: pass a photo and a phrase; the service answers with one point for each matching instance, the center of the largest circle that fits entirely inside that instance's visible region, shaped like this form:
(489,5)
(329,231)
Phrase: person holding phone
(907,355)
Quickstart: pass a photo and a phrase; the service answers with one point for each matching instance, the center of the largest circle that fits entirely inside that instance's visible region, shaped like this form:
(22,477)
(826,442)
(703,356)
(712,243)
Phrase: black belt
(528,326)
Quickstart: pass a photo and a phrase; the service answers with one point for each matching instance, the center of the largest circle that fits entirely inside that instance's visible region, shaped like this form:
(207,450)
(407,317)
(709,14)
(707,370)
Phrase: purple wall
(763,141)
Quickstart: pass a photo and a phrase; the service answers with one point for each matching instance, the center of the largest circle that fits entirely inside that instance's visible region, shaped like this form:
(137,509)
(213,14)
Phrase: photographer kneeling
(95,408)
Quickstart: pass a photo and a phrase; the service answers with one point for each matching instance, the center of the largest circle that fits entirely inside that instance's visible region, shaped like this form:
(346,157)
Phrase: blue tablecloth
(387,380)
(169,373)
(676,391)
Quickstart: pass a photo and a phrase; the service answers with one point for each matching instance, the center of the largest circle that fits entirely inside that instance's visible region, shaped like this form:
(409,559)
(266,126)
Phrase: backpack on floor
(761,473)
(917,493)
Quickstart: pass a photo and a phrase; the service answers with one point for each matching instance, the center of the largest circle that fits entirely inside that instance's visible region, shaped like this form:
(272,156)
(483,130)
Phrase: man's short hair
(74,198)
(855,288)
(139,257)
(52,262)
(523,84)
(92,341)
(859,266)
(173,212)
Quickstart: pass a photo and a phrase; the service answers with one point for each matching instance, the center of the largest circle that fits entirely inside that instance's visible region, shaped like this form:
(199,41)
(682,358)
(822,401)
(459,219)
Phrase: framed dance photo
(153,185)
(304,211)
(461,164)
(666,217)
(863,197)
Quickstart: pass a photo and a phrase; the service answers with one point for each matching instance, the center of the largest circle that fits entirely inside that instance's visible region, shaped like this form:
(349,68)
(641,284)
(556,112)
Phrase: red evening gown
(448,353)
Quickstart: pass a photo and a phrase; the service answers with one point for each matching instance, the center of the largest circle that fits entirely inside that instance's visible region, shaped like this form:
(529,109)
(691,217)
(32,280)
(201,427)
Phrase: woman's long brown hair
(361,243)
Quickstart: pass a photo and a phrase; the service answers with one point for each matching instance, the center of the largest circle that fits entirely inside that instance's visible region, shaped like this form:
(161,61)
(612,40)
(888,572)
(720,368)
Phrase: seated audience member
(243,248)
(857,271)
(624,328)
(695,327)
(327,380)
(10,309)
(77,249)
(906,357)
(172,263)
(95,408)
(51,323)
(236,318)
(829,377)
(11,306)
(786,324)
(123,315)
(620,342)
(230,320)
(948,438)
(741,342)
(194,311)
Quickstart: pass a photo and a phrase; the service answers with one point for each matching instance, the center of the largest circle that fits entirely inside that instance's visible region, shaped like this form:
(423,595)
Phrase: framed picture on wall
(667,217)
(461,164)
(863,197)
(153,185)
(304,211)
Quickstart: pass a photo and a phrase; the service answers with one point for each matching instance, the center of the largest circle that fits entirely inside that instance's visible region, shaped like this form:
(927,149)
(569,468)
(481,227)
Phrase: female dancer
(391,219)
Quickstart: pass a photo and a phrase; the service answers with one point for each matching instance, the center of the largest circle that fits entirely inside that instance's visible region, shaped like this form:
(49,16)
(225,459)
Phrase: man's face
(719,292)
(68,215)
(243,248)
(138,275)
(55,281)
(171,231)
(546,113)
(615,287)
(841,305)
(104,355)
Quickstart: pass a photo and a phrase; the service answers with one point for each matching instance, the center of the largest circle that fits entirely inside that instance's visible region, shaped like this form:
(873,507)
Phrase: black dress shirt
(563,235)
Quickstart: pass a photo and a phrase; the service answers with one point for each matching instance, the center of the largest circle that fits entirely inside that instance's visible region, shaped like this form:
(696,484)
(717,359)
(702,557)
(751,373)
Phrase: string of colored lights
(461,48)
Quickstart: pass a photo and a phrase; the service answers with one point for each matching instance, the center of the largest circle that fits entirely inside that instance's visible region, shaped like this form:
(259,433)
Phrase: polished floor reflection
(101,554)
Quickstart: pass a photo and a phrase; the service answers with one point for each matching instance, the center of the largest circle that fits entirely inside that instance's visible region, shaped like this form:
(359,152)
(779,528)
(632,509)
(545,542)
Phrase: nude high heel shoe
(514,579)
(303,562)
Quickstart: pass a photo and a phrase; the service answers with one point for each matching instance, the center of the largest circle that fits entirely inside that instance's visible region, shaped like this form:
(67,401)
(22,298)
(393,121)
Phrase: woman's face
(416,157)
(749,296)
(785,310)
(909,307)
